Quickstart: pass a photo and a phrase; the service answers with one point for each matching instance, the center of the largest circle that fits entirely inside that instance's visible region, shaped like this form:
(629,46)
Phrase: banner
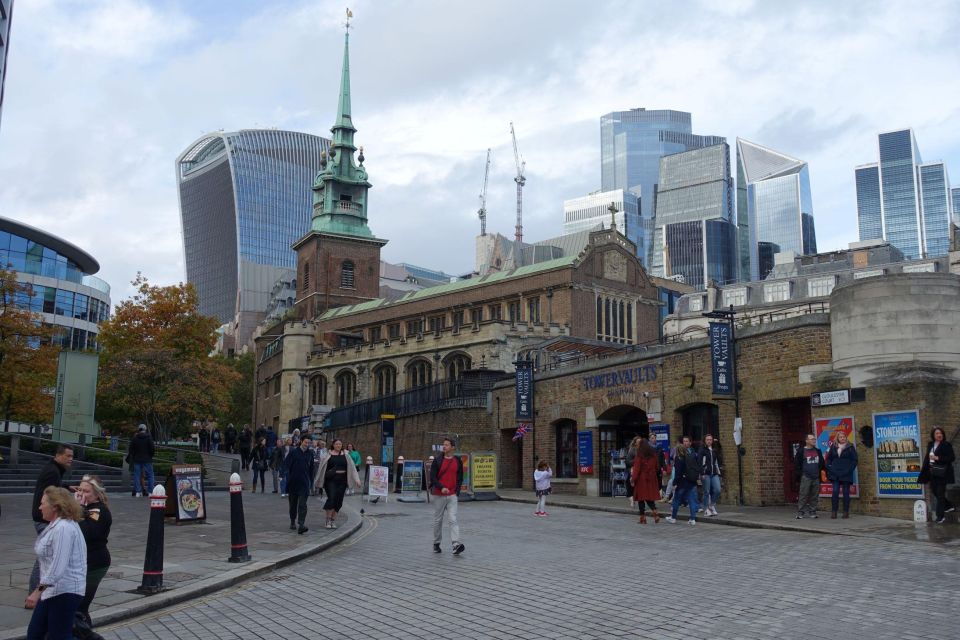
(826,430)
(662,431)
(585,451)
(379,481)
(524,390)
(483,472)
(898,450)
(721,359)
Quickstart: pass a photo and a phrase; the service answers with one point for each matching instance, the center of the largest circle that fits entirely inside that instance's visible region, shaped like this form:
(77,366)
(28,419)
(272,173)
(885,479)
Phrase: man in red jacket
(446,476)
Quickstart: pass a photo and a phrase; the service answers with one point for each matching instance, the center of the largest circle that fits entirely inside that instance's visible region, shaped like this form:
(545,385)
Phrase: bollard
(398,476)
(238,526)
(153,557)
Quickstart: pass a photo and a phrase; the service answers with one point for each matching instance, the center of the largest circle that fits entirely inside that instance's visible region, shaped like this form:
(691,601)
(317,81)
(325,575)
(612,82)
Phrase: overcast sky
(101,97)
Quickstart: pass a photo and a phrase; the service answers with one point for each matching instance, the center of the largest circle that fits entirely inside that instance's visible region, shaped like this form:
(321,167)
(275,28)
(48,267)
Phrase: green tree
(28,359)
(154,363)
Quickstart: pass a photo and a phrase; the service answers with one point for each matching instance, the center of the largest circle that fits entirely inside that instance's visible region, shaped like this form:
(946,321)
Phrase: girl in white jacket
(541,478)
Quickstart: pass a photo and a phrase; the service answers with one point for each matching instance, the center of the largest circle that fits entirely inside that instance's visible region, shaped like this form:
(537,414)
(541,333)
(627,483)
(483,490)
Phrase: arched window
(318,390)
(455,366)
(306,276)
(346,383)
(419,373)
(384,380)
(347,275)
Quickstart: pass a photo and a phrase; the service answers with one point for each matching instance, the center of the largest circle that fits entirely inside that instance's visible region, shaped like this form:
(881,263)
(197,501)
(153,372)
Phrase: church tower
(338,260)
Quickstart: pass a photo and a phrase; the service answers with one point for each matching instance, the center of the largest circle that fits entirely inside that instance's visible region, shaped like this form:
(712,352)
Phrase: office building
(955,203)
(245,197)
(592,211)
(774,208)
(65,293)
(694,239)
(904,200)
(631,145)
(6,19)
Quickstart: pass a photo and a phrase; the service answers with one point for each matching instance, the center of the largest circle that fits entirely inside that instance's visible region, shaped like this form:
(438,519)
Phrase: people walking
(62,555)
(652,440)
(271,437)
(51,475)
(286,448)
(245,441)
(541,480)
(711,462)
(230,438)
(446,476)
(298,467)
(672,459)
(276,466)
(628,465)
(646,487)
(841,462)
(259,462)
(686,475)
(357,460)
(141,455)
(215,438)
(336,471)
(937,471)
(95,527)
(203,438)
(808,469)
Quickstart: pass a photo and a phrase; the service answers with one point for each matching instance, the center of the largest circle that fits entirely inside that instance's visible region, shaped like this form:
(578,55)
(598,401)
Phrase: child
(542,479)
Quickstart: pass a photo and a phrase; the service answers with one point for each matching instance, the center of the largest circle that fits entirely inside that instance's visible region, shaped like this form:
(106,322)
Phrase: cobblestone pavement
(579,574)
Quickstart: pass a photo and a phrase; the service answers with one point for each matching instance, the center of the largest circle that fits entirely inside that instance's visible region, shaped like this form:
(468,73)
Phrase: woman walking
(646,486)
(335,472)
(841,462)
(686,472)
(541,479)
(62,554)
(95,526)
(937,470)
(259,462)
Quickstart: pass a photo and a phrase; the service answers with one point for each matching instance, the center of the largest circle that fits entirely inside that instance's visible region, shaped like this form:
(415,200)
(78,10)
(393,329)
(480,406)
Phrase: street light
(728,315)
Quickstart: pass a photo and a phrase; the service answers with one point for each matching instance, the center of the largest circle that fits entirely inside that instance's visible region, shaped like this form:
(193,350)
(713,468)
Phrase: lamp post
(728,315)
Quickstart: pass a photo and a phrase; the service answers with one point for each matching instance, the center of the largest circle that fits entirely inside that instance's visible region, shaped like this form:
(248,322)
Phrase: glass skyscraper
(955,201)
(631,145)
(694,235)
(6,19)
(589,212)
(903,200)
(245,197)
(774,207)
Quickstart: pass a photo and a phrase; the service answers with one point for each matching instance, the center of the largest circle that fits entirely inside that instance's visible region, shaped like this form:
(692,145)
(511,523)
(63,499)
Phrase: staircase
(21,477)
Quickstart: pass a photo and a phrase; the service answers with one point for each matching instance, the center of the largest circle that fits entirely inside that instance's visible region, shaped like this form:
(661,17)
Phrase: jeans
(138,469)
(687,493)
(809,494)
(53,618)
(283,483)
(835,498)
(260,472)
(711,490)
(214,447)
(276,478)
(445,505)
(298,507)
(542,504)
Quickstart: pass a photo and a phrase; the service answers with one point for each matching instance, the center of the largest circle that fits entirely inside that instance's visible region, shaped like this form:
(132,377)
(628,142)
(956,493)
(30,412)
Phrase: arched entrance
(617,426)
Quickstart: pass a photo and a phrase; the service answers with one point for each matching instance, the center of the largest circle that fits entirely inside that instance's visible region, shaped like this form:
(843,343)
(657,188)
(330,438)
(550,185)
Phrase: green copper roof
(460,285)
(343,110)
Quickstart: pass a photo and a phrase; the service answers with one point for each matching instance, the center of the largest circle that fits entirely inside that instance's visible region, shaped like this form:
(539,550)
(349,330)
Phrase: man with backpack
(686,476)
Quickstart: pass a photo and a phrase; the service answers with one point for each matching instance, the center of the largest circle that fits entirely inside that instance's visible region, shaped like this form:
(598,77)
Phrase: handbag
(938,470)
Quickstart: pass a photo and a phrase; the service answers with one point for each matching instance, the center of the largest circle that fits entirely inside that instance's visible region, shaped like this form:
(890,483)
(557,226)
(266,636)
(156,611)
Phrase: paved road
(584,575)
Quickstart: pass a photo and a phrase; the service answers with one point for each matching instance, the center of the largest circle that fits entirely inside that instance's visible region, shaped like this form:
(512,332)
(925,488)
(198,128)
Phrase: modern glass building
(955,202)
(245,197)
(6,19)
(695,188)
(592,211)
(903,200)
(65,292)
(631,145)
(774,206)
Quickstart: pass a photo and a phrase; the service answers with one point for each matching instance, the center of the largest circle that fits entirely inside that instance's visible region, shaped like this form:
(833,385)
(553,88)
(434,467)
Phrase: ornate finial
(346,24)
(613,215)
(360,157)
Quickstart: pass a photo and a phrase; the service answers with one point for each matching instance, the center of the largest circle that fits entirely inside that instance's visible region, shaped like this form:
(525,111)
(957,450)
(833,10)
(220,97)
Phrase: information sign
(483,472)
(585,451)
(190,501)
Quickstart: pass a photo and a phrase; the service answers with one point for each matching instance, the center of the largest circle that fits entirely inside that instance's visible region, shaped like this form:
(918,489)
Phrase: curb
(224,580)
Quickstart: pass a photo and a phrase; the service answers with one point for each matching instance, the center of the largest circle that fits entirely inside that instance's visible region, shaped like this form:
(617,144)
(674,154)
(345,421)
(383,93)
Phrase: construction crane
(520,180)
(483,198)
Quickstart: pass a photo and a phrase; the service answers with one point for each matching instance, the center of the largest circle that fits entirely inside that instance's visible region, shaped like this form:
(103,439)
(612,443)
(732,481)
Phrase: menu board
(412,476)
(190,499)
(379,481)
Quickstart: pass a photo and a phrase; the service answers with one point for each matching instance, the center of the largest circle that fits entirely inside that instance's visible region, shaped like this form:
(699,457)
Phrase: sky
(102,96)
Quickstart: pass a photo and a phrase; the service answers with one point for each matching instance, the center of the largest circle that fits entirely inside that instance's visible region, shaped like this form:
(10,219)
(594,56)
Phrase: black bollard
(153,557)
(238,526)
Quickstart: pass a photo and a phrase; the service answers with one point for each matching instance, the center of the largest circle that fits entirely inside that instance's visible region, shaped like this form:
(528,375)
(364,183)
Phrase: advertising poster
(826,430)
(379,481)
(412,476)
(899,454)
(188,492)
(585,451)
(483,469)
(465,459)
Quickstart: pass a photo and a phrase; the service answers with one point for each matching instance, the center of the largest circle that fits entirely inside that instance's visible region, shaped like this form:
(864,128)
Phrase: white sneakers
(671,520)
(691,522)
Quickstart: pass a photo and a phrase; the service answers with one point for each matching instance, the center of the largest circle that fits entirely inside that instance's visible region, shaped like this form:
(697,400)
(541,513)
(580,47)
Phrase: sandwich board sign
(379,482)
(411,482)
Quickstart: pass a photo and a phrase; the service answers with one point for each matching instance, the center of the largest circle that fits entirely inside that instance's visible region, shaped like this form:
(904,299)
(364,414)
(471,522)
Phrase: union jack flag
(522,429)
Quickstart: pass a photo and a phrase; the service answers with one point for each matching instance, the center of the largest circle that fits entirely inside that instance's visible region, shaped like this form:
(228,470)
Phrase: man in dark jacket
(51,475)
(230,438)
(141,455)
(298,467)
(807,467)
(446,476)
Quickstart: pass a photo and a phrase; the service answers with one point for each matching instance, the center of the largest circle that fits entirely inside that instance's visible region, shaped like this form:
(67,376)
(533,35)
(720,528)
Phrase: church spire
(343,110)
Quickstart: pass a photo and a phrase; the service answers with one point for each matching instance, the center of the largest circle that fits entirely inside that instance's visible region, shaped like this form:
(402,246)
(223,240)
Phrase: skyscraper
(694,235)
(631,145)
(774,208)
(904,200)
(245,197)
(6,19)
(955,201)
(591,211)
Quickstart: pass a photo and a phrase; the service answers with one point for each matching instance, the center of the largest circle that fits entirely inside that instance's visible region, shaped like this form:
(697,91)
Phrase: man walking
(51,475)
(230,438)
(298,467)
(807,467)
(141,455)
(446,476)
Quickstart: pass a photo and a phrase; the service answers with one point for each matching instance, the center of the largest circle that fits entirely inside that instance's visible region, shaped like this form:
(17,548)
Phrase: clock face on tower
(614,266)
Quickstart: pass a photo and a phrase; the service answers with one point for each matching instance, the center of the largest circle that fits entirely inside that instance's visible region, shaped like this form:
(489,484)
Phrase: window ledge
(564,480)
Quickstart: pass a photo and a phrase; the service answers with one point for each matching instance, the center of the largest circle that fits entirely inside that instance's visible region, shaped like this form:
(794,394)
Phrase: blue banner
(662,432)
(585,451)
(899,452)
(721,359)
(525,390)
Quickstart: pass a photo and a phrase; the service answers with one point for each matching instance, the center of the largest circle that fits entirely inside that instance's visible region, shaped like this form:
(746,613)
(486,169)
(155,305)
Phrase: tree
(154,363)
(28,358)
(240,407)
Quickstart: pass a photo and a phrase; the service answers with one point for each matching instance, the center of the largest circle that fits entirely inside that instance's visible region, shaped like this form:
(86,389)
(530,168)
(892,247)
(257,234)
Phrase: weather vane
(347,23)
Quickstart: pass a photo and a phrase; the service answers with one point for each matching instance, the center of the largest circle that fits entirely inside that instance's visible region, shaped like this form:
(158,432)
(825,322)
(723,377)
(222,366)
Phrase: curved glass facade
(28,256)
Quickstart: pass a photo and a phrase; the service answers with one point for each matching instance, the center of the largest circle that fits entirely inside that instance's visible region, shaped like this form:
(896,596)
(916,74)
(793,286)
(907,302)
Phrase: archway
(617,426)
